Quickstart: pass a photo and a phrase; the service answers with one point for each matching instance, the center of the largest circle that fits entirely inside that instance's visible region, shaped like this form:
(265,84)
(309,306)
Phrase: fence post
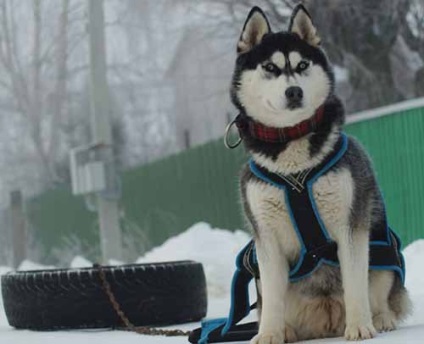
(19,241)
(108,208)
(187,140)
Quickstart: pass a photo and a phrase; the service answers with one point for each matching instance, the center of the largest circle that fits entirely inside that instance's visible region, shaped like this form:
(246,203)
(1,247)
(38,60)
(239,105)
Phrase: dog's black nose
(294,94)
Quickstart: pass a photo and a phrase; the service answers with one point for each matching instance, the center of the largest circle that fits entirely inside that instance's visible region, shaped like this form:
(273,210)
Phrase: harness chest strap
(316,245)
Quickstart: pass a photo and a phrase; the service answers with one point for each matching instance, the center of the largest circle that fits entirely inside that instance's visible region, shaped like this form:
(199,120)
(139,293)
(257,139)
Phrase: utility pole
(107,206)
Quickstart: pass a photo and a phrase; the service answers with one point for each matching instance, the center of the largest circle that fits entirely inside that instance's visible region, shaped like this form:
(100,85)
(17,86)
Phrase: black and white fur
(349,300)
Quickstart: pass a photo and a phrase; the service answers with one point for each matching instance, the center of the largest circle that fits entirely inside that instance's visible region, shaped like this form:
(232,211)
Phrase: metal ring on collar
(227,142)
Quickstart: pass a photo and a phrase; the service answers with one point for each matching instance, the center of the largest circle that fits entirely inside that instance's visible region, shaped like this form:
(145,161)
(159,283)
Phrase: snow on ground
(80,262)
(414,257)
(28,265)
(216,249)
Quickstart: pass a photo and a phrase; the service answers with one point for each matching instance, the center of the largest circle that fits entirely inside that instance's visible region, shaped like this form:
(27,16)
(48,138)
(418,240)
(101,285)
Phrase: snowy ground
(200,243)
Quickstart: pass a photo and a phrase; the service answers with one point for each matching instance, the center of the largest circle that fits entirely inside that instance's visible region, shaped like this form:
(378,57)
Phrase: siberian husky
(280,80)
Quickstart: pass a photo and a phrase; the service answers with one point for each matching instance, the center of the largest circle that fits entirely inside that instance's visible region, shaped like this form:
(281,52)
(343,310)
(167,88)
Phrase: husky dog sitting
(283,80)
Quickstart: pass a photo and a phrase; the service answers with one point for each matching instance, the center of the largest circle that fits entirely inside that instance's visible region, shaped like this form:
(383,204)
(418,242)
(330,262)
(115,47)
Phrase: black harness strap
(238,333)
(315,242)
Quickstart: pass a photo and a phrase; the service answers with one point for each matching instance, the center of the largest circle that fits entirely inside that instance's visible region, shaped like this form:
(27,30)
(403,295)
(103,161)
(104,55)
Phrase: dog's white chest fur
(333,194)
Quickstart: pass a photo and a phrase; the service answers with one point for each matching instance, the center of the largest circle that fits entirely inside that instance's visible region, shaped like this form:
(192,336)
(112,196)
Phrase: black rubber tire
(149,294)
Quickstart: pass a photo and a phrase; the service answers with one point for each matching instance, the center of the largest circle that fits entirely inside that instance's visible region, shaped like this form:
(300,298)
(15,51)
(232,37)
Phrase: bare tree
(34,76)
(60,93)
(142,97)
(413,28)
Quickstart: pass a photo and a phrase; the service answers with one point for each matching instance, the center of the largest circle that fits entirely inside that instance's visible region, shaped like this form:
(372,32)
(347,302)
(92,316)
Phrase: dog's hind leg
(381,283)
(274,281)
(353,252)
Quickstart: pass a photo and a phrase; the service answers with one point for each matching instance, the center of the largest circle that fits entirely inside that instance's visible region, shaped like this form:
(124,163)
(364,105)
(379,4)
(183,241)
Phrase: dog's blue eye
(302,66)
(270,67)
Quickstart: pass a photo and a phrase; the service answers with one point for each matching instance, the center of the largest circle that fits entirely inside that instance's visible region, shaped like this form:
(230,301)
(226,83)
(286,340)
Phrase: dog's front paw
(384,322)
(360,331)
(290,334)
(268,338)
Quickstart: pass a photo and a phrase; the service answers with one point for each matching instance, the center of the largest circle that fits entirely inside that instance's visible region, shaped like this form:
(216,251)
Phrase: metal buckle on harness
(323,251)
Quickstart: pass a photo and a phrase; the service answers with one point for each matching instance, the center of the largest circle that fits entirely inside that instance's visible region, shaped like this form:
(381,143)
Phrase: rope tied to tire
(129,326)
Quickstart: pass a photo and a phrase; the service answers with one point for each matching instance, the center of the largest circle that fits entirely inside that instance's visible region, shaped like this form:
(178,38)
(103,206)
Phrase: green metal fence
(166,197)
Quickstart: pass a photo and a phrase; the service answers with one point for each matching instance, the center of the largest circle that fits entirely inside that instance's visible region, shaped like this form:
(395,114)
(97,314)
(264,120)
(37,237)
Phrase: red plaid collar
(279,135)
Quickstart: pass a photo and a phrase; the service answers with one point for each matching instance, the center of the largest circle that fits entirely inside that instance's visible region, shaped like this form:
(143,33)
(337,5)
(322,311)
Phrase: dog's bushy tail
(399,301)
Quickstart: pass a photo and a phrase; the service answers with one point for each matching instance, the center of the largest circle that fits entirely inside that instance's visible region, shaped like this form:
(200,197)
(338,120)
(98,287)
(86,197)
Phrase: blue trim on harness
(239,266)
(310,182)
(208,326)
(400,270)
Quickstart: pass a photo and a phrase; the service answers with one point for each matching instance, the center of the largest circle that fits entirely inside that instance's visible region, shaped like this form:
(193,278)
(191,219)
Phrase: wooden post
(108,209)
(187,141)
(19,241)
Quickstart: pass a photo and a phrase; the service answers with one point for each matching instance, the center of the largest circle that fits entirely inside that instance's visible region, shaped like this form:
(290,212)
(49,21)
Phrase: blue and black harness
(317,248)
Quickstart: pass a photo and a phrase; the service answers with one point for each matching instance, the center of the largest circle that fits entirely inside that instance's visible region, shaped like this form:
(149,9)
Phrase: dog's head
(280,78)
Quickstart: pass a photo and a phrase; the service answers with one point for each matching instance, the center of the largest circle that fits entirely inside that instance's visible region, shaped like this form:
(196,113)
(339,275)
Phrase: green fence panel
(166,197)
(170,195)
(396,146)
(57,218)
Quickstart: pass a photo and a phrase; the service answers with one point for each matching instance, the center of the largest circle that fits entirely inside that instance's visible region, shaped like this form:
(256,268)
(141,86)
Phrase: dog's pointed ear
(254,29)
(301,24)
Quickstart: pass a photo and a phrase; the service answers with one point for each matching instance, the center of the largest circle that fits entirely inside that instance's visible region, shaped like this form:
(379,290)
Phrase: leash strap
(226,329)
